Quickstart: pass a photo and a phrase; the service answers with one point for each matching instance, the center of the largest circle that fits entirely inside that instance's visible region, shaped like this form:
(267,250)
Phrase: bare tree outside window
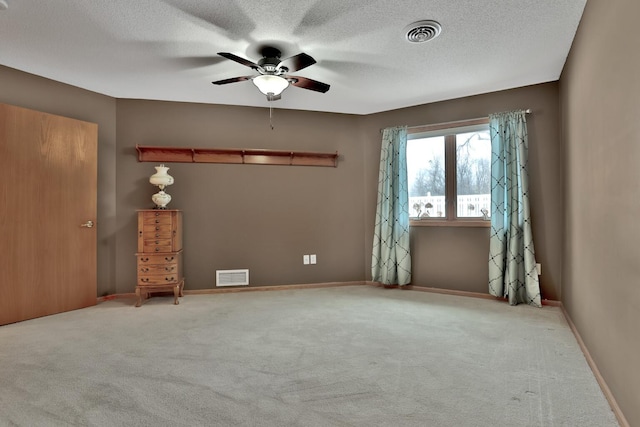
(473,173)
(428,175)
(430,179)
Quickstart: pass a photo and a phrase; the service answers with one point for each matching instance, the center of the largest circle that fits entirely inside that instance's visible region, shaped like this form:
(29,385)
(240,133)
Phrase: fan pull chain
(271,116)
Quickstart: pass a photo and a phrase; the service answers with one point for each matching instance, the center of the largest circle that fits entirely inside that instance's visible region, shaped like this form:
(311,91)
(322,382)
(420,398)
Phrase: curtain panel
(391,258)
(512,264)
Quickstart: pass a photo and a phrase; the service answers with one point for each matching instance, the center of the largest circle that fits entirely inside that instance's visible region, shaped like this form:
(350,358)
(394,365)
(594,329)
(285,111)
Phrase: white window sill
(436,222)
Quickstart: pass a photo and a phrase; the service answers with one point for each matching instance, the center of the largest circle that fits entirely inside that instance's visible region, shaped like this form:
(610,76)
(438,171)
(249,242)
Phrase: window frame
(449,131)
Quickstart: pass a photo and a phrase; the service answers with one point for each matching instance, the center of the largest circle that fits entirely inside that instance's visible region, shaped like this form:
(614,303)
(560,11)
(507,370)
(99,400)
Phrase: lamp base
(161,199)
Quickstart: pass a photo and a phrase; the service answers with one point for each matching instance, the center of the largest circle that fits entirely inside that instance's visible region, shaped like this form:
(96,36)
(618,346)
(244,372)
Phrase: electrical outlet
(539,269)
(305,259)
(312,258)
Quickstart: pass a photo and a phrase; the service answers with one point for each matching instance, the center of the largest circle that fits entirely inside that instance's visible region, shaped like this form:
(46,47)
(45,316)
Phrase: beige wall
(36,93)
(264,218)
(600,96)
(457,258)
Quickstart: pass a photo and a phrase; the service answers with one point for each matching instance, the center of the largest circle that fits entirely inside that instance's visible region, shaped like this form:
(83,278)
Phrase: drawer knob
(157,228)
(157,249)
(145,279)
(144,259)
(168,258)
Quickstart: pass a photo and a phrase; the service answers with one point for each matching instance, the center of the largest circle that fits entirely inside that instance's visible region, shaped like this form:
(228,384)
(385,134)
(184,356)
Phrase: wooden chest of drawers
(159,256)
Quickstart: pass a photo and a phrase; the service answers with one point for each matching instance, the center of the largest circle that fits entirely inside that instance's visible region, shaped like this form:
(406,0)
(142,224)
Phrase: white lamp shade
(270,85)
(161,177)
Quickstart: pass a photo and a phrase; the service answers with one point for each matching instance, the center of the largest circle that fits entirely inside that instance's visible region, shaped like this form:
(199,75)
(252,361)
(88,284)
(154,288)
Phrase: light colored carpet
(349,356)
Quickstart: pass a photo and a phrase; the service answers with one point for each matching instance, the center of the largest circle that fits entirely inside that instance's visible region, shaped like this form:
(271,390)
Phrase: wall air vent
(422,31)
(232,277)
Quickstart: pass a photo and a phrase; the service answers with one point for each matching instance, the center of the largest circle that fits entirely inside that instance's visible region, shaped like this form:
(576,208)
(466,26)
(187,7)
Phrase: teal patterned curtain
(512,263)
(391,259)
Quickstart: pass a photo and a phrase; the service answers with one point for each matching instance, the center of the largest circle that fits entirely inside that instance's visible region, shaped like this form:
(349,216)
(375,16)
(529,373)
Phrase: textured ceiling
(166,49)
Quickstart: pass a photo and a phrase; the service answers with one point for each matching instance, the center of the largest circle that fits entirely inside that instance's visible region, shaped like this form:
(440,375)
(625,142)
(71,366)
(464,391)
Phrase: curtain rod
(527,111)
(445,124)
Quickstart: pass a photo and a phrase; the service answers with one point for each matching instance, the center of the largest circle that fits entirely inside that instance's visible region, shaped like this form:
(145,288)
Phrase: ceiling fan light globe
(270,85)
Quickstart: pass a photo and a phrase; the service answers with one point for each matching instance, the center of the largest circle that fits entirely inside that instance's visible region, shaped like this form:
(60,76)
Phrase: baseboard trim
(596,372)
(470,294)
(242,289)
(451,292)
(226,290)
(115,296)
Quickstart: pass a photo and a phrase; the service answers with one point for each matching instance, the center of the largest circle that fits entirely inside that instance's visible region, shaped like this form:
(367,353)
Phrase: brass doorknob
(88,224)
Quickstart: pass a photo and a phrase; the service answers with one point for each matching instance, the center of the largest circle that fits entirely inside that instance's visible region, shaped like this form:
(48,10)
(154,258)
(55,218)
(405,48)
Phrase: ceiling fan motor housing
(270,61)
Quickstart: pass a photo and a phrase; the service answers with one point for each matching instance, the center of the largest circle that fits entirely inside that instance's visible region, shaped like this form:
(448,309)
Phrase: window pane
(426,175)
(473,174)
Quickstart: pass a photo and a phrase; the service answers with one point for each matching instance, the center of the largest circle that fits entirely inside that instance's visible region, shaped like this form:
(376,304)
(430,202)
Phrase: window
(449,174)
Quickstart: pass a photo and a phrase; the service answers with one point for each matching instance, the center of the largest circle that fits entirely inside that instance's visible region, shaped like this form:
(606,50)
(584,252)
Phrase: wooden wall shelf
(148,153)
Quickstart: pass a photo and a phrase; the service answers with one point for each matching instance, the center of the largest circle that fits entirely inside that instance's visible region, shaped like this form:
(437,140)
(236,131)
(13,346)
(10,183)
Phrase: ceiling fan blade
(240,60)
(297,62)
(232,80)
(306,83)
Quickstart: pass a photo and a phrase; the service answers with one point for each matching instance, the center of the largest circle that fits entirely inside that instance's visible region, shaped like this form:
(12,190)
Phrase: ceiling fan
(272,76)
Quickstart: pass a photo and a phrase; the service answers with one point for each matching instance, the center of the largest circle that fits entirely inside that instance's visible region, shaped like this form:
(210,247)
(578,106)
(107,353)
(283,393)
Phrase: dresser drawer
(152,259)
(158,269)
(157,232)
(157,246)
(157,279)
(148,220)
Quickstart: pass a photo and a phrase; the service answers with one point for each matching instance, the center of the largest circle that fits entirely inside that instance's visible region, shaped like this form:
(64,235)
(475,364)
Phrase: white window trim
(440,129)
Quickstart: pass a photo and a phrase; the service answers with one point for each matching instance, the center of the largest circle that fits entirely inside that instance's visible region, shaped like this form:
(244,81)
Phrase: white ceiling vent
(422,31)
(232,277)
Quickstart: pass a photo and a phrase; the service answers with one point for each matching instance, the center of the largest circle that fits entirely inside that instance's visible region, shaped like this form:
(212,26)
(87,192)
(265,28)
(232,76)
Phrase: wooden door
(48,186)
